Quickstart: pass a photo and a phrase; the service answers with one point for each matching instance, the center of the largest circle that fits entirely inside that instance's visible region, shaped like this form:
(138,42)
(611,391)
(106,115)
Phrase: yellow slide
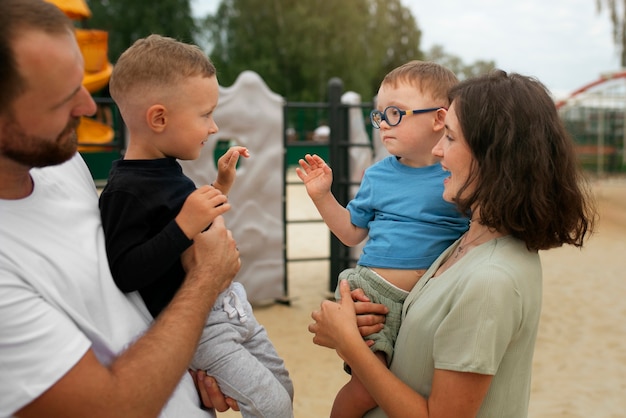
(94,47)
(93,135)
(75,9)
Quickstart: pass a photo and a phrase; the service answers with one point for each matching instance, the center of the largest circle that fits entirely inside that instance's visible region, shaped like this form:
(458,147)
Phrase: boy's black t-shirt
(143,242)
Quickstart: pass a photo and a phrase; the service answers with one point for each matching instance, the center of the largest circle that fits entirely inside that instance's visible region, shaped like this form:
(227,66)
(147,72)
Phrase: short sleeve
(483,318)
(38,344)
(360,207)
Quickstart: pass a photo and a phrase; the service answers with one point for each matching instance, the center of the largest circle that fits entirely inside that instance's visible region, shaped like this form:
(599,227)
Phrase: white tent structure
(250,115)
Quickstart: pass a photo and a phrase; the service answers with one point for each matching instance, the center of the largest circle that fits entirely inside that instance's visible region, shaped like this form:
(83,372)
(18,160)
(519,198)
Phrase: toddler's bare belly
(404,279)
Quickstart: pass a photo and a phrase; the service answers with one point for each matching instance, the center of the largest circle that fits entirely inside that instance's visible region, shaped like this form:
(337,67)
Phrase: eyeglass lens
(392,115)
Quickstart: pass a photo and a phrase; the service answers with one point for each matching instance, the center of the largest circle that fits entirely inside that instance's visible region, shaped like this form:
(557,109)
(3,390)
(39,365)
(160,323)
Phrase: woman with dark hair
(469,325)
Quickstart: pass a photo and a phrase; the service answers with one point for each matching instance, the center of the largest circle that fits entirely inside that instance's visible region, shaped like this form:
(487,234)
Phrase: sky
(566,44)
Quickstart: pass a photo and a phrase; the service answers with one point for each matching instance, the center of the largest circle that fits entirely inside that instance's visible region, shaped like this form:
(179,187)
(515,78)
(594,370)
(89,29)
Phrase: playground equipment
(595,116)
(251,115)
(94,47)
(74,9)
(94,136)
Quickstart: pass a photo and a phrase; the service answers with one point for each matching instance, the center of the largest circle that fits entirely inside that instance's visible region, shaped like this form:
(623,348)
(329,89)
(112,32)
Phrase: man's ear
(156,117)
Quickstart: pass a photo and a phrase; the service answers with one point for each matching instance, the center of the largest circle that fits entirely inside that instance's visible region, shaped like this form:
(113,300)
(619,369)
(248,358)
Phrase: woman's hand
(370,316)
(210,393)
(336,322)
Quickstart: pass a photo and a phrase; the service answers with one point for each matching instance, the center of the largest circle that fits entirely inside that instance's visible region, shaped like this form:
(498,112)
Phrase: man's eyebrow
(69,97)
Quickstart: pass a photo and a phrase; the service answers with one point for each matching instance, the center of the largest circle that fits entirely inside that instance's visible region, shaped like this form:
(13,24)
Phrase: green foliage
(617,14)
(126,21)
(297,46)
(456,65)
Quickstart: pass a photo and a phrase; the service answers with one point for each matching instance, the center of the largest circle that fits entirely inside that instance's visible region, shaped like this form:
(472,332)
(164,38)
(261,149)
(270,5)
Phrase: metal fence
(594,115)
(335,151)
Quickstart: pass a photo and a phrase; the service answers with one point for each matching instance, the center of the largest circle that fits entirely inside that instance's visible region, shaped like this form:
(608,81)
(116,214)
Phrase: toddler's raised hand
(316,175)
(227,168)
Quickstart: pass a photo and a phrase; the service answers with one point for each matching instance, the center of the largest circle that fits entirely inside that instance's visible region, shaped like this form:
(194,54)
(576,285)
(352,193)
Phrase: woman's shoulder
(505,259)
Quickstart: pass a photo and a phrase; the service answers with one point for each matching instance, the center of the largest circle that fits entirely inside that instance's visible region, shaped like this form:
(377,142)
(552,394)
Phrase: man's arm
(141,380)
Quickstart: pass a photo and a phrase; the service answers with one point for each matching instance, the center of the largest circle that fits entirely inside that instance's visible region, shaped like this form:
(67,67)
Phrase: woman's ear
(156,118)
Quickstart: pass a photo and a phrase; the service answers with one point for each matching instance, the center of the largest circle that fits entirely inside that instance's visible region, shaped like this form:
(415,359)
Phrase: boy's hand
(227,168)
(316,175)
(200,209)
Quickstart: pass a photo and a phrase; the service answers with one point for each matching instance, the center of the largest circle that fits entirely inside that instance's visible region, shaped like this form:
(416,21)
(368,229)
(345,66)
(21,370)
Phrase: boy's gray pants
(236,351)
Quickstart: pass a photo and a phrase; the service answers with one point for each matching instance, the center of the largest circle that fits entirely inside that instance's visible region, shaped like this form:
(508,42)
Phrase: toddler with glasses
(399,206)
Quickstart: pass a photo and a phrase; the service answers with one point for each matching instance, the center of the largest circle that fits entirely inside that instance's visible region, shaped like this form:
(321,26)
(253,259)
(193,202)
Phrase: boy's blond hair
(428,77)
(156,62)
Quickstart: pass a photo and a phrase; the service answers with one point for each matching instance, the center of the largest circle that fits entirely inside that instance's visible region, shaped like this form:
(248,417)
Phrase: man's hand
(213,257)
(210,393)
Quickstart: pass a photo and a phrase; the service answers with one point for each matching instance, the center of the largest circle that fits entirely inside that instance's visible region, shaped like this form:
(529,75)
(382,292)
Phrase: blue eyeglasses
(393,115)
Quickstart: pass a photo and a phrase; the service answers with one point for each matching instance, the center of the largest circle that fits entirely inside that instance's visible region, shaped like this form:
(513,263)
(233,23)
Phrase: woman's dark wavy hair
(529,182)
(17,16)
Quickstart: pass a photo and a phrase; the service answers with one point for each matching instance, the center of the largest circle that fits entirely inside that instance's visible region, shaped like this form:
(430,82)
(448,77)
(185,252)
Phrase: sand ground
(580,359)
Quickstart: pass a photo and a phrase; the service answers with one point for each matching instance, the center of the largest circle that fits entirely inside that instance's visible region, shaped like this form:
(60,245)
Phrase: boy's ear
(439,122)
(156,117)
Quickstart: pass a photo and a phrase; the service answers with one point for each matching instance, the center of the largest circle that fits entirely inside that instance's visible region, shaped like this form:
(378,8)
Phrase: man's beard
(34,151)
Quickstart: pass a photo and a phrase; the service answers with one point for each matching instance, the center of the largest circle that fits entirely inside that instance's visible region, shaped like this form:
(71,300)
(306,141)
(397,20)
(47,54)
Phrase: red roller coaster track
(603,79)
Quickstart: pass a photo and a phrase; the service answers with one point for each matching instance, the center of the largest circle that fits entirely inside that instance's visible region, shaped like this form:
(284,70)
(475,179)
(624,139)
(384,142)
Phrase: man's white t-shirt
(57,296)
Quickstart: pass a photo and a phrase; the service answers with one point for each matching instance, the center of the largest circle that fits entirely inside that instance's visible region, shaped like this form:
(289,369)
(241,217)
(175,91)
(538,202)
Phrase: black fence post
(340,164)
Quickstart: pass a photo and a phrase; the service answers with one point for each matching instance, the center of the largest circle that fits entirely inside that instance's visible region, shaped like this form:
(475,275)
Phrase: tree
(617,13)
(126,21)
(456,64)
(297,46)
